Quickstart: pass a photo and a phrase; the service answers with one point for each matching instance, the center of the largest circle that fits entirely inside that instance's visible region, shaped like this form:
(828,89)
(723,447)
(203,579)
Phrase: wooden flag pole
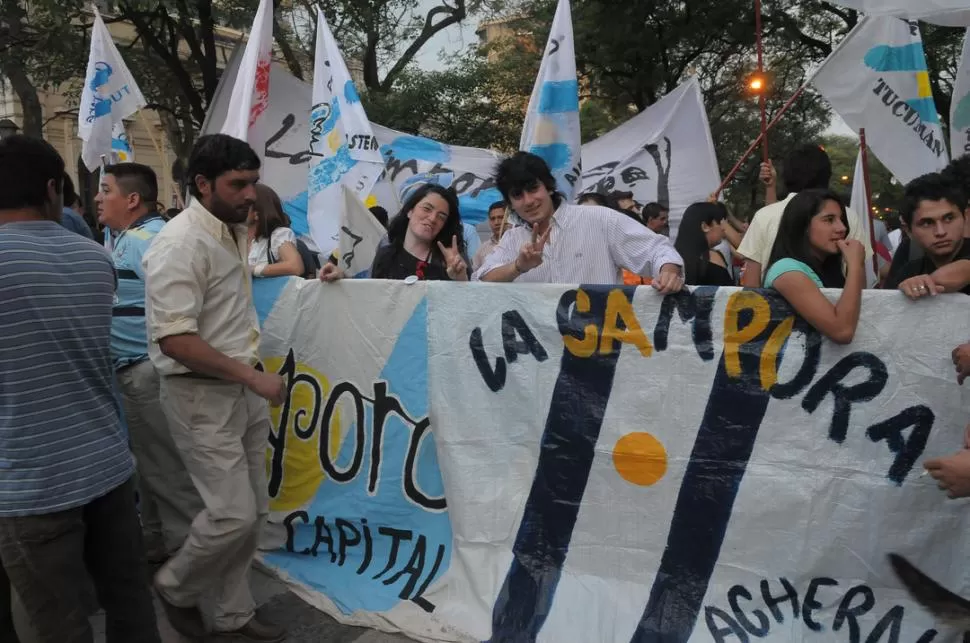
(757,141)
(151,135)
(762,102)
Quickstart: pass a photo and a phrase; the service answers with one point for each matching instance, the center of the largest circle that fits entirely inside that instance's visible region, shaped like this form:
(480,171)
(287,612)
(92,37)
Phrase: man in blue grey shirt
(168,499)
(70,219)
(67,499)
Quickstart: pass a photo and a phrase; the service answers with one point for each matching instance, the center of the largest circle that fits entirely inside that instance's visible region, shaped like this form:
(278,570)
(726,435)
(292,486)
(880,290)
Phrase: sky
(448,41)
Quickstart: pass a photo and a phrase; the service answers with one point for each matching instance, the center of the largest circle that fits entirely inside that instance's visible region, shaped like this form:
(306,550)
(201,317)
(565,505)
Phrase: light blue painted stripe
(558,96)
(266,292)
(296,208)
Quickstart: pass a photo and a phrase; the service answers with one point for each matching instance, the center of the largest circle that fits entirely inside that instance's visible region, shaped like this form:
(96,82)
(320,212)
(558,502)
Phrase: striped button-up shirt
(197,282)
(588,244)
(129,341)
(61,440)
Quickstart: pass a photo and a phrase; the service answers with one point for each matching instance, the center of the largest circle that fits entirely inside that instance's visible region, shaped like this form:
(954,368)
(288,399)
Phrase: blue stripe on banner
(725,440)
(909,57)
(556,156)
(926,108)
(566,454)
(266,292)
(558,96)
(296,209)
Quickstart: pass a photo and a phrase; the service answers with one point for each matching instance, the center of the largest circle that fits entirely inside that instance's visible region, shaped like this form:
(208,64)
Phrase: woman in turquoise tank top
(811,237)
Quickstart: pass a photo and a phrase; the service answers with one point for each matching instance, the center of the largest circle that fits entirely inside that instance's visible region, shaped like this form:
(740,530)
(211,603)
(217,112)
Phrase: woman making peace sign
(425,239)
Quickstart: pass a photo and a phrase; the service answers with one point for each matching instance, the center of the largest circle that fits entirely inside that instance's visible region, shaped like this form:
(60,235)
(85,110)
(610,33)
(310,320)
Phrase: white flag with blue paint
(551,128)
(343,148)
(877,79)
(110,94)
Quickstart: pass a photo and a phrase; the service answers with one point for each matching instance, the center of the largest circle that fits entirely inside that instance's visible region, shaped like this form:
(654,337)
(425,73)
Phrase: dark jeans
(49,559)
(7,632)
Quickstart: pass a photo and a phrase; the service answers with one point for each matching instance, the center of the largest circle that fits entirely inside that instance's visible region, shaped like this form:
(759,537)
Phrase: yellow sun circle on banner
(302,472)
(334,141)
(371,201)
(640,459)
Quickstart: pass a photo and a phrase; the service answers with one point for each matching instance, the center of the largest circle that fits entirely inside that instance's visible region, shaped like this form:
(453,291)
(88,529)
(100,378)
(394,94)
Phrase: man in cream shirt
(203,338)
(806,168)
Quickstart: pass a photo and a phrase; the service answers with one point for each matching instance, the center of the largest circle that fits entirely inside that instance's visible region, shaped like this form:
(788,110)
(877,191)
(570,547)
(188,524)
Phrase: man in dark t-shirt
(934,213)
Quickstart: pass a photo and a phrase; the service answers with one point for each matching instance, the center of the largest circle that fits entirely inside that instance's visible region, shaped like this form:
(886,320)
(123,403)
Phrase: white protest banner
(619,467)
(411,160)
(360,235)
(408,159)
(287,121)
(949,13)
(353,476)
(342,146)
(250,89)
(960,105)
(664,154)
(121,151)
(671,136)
(877,79)
(110,95)
(551,128)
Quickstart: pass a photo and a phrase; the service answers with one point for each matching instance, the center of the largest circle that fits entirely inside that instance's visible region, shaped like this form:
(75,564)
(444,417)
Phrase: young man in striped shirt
(168,499)
(572,244)
(67,499)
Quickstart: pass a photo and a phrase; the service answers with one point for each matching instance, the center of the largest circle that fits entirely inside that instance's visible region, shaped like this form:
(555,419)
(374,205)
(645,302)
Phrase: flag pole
(148,129)
(108,239)
(762,103)
(865,178)
(757,141)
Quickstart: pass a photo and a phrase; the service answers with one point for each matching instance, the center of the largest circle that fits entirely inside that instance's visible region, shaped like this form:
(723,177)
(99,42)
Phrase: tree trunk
(12,66)
(33,124)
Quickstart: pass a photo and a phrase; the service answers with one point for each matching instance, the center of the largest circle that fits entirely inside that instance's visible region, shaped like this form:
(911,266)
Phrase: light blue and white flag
(110,94)
(121,151)
(551,128)
(343,148)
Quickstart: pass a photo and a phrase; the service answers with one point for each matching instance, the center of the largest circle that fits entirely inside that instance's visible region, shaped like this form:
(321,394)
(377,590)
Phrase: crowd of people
(134,419)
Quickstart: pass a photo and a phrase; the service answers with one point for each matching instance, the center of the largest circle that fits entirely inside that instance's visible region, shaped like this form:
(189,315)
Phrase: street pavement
(305,624)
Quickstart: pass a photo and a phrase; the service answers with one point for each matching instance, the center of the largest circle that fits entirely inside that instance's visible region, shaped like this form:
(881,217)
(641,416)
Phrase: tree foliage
(175,51)
(887,193)
(629,55)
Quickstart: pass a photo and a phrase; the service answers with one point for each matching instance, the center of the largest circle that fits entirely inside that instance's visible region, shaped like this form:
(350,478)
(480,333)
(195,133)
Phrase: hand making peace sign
(454,263)
(530,255)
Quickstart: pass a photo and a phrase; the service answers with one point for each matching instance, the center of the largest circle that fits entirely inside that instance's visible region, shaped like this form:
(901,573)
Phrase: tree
(478,101)
(175,48)
(38,44)
(887,193)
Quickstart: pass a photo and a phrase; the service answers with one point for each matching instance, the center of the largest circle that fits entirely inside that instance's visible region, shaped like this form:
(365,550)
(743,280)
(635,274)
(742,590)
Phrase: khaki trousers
(168,497)
(220,428)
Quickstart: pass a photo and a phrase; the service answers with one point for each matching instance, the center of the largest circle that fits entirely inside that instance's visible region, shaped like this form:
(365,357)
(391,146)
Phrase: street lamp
(7,128)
